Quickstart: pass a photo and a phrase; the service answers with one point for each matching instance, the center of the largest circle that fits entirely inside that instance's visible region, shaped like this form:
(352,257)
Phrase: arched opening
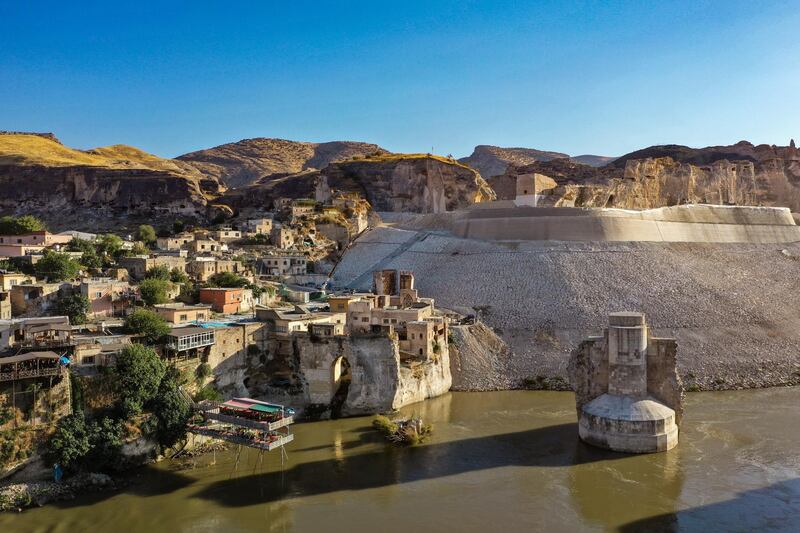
(340,385)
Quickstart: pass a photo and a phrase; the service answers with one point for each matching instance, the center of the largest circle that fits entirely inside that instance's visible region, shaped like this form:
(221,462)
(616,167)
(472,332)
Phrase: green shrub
(76,307)
(56,267)
(150,325)
(155,291)
(209,392)
(161,272)
(138,374)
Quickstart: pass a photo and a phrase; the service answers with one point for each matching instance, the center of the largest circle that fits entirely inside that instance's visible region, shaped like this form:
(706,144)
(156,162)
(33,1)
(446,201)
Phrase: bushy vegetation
(55,267)
(20,225)
(227,279)
(259,238)
(209,392)
(138,373)
(177,275)
(155,291)
(146,234)
(148,324)
(161,272)
(76,307)
(403,432)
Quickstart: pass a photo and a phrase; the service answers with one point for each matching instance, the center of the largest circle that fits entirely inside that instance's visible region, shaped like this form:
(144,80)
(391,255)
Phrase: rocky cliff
(244,162)
(416,183)
(494,160)
(83,189)
(761,175)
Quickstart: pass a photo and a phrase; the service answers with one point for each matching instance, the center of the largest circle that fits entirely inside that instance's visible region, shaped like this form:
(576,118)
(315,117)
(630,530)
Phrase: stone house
(108,297)
(259,226)
(19,250)
(282,237)
(177,313)
(9,279)
(207,246)
(202,268)
(227,300)
(284,265)
(175,242)
(5,305)
(137,266)
(34,299)
(226,234)
(36,238)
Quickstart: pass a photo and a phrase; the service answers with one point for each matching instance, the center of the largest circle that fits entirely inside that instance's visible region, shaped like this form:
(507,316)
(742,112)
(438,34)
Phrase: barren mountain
(493,160)
(39,175)
(244,162)
(417,183)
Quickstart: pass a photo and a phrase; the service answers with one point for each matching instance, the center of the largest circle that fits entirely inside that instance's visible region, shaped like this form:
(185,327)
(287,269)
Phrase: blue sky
(578,77)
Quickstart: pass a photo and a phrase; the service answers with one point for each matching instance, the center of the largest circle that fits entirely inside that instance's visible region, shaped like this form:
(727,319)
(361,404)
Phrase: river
(499,461)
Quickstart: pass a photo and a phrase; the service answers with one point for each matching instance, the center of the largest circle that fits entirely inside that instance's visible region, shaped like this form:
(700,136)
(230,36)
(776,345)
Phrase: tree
(178,226)
(158,272)
(76,307)
(20,225)
(139,249)
(227,279)
(178,276)
(109,244)
(146,234)
(69,443)
(105,443)
(148,324)
(154,291)
(57,266)
(138,374)
(171,409)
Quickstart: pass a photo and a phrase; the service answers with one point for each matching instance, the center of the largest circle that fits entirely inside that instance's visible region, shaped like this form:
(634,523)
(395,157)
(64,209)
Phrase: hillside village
(235,310)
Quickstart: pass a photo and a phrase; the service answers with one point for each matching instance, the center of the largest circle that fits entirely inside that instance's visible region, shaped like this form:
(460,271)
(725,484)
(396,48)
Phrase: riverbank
(19,496)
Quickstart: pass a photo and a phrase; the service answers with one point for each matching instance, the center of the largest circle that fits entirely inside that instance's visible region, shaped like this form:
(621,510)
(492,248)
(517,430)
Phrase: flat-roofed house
(177,313)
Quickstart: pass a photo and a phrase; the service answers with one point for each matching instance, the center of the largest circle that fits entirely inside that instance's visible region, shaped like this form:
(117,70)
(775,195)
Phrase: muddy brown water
(499,461)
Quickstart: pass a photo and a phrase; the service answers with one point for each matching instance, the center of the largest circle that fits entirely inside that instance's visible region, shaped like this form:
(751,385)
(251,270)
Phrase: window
(87,360)
(182,317)
(98,294)
(364,319)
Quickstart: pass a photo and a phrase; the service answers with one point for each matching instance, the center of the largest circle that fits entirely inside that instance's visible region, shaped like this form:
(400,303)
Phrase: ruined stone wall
(663,381)
(588,370)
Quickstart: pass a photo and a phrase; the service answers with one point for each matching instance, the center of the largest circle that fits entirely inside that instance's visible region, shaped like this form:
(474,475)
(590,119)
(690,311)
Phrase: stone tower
(628,394)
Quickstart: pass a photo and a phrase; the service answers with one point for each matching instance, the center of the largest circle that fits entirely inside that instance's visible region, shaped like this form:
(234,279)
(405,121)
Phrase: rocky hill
(99,187)
(244,162)
(417,183)
(493,160)
(742,174)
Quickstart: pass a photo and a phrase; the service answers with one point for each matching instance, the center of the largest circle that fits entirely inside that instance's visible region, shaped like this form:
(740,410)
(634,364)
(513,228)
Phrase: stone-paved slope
(733,308)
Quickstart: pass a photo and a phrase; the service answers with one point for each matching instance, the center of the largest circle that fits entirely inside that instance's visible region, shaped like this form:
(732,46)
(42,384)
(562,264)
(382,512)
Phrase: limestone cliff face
(663,181)
(396,182)
(85,189)
(83,194)
(245,162)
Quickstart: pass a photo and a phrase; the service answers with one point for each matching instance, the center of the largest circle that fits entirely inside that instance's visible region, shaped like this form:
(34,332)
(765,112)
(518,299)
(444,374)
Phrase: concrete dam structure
(628,393)
(730,305)
(496,221)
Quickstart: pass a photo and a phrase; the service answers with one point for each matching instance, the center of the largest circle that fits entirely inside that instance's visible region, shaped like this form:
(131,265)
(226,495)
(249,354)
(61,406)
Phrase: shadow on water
(552,446)
(147,482)
(772,508)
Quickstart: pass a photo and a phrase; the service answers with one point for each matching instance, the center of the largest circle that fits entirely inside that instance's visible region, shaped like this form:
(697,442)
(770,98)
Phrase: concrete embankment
(695,223)
(731,306)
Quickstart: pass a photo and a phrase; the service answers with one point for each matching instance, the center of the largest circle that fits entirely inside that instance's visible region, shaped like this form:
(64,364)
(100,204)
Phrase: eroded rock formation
(397,182)
(40,176)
